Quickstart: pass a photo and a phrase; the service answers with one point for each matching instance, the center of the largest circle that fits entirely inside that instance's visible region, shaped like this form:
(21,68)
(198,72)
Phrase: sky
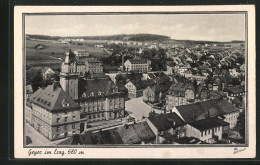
(211,27)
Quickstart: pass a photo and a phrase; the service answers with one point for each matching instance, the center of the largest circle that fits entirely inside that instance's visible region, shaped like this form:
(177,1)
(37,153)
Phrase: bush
(28,140)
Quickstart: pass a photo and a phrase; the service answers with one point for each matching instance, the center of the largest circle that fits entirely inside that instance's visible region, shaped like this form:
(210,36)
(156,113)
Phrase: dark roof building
(205,109)
(53,98)
(128,134)
(93,88)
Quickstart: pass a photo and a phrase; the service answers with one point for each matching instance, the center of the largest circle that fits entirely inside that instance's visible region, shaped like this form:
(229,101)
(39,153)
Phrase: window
(73,126)
(58,120)
(65,119)
(102,114)
(202,134)
(74,117)
(205,132)
(98,115)
(89,116)
(57,129)
(65,127)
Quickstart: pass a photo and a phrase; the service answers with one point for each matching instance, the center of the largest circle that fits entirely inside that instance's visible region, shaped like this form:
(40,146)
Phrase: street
(37,138)
(138,108)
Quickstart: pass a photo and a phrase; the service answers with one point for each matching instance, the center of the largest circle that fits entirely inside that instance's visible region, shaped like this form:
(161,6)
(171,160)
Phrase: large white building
(139,65)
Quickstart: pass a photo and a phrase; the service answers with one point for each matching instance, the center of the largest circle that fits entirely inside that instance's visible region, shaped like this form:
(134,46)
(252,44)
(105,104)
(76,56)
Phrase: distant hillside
(124,37)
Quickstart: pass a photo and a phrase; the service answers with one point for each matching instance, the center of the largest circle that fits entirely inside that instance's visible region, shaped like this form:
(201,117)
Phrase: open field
(58,49)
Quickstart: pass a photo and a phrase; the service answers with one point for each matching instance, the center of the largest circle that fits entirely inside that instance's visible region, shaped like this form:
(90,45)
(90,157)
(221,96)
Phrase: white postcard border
(140,152)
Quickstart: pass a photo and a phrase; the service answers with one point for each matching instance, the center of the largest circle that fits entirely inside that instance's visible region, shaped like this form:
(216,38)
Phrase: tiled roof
(93,60)
(138,61)
(131,134)
(52,98)
(208,123)
(29,100)
(161,122)
(96,88)
(179,89)
(235,90)
(202,110)
(175,119)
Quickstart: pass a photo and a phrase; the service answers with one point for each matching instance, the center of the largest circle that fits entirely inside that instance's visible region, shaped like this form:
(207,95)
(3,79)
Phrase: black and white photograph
(135,79)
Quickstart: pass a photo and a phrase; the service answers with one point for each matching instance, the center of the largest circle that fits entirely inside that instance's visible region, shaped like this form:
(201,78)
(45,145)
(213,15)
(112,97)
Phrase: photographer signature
(236,150)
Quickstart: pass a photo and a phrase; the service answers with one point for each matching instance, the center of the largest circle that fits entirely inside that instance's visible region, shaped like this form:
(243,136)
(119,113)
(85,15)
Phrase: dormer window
(99,93)
(65,103)
(92,94)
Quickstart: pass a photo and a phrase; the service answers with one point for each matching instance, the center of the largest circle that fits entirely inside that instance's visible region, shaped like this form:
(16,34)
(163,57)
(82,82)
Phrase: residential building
(138,65)
(93,65)
(135,89)
(81,53)
(234,92)
(53,113)
(208,109)
(242,68)
(137,133)
(156,93)
(180,94)
(181,69)
(209,130)
(164,124)
(47,73)
(29,91)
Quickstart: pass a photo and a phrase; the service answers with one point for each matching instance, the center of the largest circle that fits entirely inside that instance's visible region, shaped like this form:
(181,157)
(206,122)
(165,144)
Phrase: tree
(87,74)
(34,76)
(120,79)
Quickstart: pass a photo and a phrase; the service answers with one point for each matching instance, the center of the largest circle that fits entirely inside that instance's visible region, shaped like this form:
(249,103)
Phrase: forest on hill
(123,37)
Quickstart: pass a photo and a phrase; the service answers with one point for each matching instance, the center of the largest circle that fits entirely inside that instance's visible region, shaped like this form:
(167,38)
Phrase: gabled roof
(202,110)
(52,98)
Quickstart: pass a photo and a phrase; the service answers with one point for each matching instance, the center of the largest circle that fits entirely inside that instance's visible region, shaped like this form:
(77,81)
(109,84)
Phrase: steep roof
(161,122)
(202,110)
(208,123)
(96,88)
(53,98)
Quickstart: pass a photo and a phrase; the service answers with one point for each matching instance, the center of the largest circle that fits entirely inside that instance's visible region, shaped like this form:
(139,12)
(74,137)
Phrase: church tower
(69,76)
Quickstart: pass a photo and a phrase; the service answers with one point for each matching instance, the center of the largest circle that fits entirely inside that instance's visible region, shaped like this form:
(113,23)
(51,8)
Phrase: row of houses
(201,123)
